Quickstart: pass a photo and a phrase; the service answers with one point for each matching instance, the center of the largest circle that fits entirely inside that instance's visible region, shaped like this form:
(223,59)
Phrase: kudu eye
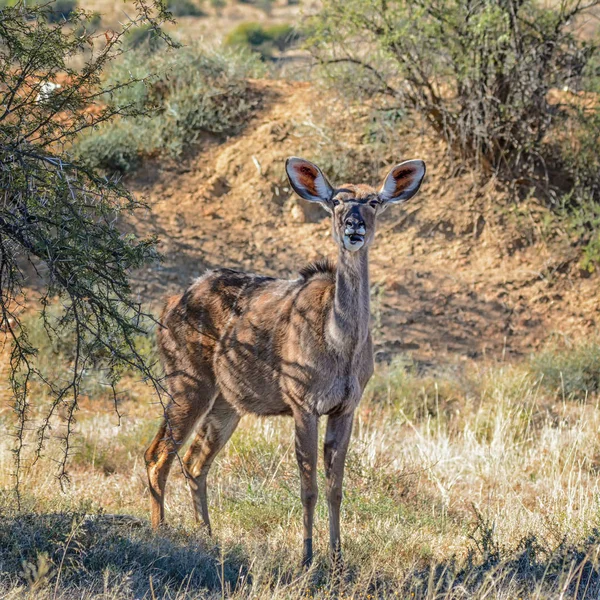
(335,201)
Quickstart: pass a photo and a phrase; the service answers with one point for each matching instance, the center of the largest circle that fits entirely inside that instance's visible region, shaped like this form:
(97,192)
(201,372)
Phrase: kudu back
(237,343)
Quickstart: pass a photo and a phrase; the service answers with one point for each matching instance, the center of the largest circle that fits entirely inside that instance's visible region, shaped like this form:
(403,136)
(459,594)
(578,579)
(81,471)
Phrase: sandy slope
(455,274)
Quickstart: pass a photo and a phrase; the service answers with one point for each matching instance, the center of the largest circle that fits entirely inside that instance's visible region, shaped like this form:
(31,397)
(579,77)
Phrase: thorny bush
(58,219)
(498,80)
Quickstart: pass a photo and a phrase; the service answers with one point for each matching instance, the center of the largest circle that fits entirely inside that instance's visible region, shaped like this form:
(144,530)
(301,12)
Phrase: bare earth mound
(455,274)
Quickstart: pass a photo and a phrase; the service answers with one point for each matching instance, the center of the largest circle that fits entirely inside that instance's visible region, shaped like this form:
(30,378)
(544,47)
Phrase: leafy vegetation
(191,92)
(264,5)
(262,39)
(478,73)
(61,217)
(507,85)
(146,37)
(184,8)
(571,371)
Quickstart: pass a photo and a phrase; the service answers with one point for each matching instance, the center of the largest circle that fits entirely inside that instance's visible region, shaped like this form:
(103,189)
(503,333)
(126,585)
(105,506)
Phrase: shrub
(478,73)
(146,37)
(61,218)
(60,10)
(572,370)
(184,8)
(283,36)
(249,34)
(193,90)
(261,39)
(113,147)
(488,77)
(218,4)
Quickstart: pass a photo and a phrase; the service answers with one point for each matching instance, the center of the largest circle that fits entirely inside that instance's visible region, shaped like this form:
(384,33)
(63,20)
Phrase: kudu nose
(354,225)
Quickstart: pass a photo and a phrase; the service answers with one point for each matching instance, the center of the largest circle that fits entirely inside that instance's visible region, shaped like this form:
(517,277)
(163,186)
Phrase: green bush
(261,39)
(478,73)
(184,8)
(494,79)
(146,37)
(265,5)
(283,36)
(114,147)
(190,91)
(54,11)
(90,25)
(251,34)
(59,10)
(572,370)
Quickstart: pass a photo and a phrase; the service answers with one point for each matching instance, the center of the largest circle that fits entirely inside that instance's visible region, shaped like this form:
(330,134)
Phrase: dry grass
(477,482)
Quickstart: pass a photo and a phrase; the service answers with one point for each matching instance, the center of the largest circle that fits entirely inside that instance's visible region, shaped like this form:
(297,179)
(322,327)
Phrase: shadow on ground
(118,556)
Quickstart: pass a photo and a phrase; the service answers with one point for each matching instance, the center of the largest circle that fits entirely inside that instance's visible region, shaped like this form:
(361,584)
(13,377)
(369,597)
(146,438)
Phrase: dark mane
(321,266)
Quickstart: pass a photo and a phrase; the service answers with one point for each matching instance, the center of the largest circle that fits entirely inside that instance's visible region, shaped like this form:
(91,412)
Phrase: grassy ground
(478,481)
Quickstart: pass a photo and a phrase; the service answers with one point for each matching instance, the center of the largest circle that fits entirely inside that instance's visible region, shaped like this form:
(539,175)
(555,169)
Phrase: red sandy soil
(458,274)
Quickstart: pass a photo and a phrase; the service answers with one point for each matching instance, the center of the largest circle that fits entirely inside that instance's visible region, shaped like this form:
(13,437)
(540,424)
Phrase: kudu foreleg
(337,437)
(306,453)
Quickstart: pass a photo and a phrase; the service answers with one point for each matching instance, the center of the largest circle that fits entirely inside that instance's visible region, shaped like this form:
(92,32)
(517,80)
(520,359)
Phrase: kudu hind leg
(188,404)
(337,438)
(215,430)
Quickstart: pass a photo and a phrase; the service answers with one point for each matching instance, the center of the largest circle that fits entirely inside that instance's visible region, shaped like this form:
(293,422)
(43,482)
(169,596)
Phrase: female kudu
(238,343)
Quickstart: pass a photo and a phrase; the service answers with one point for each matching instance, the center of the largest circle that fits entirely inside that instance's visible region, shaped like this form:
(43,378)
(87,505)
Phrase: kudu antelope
(237,343)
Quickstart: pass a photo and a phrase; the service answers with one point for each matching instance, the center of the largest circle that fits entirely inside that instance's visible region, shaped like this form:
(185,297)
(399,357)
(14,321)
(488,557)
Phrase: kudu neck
(350,313)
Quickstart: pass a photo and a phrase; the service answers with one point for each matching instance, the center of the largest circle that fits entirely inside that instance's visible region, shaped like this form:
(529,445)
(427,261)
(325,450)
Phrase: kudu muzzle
(354,230)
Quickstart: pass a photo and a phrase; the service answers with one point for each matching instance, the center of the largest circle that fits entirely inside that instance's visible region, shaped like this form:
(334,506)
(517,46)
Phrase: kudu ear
(402,182)
(308,181)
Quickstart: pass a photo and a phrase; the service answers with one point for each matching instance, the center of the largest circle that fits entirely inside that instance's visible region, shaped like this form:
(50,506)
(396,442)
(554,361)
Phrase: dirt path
(452,276)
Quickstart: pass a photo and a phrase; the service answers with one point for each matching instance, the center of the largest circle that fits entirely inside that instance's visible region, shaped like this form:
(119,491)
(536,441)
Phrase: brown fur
(237,343)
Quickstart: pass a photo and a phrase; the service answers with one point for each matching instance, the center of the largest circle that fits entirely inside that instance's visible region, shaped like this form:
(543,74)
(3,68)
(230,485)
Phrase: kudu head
(354,208)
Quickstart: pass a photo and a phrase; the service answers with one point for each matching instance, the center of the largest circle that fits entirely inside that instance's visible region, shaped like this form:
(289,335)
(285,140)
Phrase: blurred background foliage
(509,85)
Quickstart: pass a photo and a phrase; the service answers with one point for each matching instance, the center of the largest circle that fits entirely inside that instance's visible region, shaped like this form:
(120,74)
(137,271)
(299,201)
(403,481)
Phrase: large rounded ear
(308,181)
(402,182)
